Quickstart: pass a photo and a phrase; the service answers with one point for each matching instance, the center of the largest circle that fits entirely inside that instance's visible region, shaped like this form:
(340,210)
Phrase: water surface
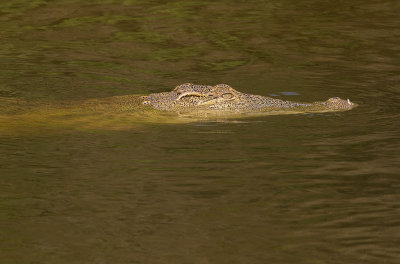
(124,188)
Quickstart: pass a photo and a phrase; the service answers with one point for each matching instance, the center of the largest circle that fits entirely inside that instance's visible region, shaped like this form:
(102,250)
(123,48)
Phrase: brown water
(275,189)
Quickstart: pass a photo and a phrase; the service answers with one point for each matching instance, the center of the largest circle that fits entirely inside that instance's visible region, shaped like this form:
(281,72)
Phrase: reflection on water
(319,188)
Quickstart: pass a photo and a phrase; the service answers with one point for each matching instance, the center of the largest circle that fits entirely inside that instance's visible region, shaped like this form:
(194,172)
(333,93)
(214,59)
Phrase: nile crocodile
(190,97)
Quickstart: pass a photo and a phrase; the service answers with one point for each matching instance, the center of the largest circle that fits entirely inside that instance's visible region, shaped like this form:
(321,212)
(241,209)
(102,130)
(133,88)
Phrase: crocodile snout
(340,104)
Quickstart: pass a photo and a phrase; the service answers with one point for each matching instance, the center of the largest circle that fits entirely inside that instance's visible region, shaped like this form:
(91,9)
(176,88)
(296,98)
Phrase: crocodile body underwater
(222,99)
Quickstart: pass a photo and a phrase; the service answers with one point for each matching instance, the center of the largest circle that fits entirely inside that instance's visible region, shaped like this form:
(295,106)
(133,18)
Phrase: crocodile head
(191,97)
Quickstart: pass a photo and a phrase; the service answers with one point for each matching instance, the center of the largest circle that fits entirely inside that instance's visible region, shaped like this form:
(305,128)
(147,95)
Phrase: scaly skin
(189,97)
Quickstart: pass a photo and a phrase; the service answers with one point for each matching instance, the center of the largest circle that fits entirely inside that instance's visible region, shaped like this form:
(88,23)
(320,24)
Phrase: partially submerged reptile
(222,98)
(119,112)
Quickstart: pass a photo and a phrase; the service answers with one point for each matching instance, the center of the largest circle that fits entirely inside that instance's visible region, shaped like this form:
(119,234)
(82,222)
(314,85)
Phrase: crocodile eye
(227,96)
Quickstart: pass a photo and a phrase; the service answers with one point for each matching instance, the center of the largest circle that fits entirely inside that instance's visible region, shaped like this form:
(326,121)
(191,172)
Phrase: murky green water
(126,188)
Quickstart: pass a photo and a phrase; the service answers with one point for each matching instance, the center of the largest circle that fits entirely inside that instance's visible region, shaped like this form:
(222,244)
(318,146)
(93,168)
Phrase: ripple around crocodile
(222,98)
